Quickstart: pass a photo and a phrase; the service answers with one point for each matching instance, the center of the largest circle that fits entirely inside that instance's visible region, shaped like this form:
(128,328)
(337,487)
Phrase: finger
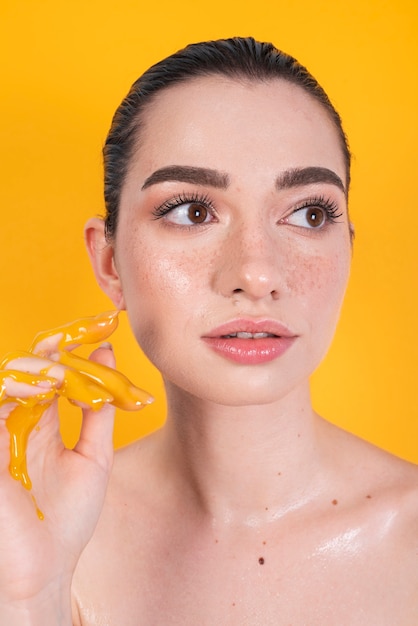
(22,389)
(83,390)
(25,361)
(22,385)
(48,345)
(96,435)
(124,394)
(104,355)
(67,382)
(29,380)
(22,369)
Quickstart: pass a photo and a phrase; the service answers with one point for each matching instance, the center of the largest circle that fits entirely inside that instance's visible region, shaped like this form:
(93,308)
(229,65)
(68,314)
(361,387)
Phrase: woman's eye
(188,213)
(308,217)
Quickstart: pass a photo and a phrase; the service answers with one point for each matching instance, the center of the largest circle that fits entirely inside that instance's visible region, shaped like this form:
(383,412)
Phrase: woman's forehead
(229,124)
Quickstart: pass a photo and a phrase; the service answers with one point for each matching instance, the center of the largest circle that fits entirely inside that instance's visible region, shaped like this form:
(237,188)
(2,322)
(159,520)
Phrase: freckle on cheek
(313,274)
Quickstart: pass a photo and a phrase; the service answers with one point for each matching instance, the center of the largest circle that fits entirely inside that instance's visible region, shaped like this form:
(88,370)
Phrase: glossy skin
(291,275)
(246,508)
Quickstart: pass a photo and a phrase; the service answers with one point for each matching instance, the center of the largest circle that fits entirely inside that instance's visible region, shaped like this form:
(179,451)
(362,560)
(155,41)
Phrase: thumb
(96,435)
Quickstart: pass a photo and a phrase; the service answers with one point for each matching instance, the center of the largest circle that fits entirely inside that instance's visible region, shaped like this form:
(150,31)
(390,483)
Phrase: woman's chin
(236,394)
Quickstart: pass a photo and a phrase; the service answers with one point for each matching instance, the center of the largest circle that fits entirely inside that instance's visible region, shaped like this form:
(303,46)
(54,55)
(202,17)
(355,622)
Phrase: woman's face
(233,219)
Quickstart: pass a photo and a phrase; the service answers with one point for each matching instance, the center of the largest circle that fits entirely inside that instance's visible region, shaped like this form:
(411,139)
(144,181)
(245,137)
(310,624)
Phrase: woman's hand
(38,556)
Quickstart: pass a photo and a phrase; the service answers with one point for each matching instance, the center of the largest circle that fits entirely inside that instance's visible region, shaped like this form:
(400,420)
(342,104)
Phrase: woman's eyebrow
(188,174)
(295,177)
(298,177)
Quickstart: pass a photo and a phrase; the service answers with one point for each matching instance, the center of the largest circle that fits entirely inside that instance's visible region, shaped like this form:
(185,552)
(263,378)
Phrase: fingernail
(106,345)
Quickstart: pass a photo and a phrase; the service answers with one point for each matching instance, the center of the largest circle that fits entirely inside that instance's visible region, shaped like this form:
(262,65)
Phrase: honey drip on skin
(84,381)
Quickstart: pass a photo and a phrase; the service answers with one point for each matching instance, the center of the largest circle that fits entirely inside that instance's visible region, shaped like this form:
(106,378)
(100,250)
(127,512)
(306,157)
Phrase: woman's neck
(244,463)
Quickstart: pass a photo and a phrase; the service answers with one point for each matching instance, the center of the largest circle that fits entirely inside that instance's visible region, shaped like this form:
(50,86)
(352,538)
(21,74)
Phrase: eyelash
(194,198)
(330,207)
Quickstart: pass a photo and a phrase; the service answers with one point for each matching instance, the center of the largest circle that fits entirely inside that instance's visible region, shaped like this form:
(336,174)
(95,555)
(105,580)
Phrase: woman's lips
(250,342)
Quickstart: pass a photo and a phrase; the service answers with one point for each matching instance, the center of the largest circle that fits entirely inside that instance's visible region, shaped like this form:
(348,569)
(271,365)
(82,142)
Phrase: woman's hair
(236,58)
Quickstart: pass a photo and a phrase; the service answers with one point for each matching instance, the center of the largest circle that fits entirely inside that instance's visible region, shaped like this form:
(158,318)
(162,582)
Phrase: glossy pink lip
(251,351)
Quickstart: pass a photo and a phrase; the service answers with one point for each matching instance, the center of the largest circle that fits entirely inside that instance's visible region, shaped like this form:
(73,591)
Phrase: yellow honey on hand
(84,381)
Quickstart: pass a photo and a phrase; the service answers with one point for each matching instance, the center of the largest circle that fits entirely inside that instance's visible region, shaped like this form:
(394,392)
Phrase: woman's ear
(102,257)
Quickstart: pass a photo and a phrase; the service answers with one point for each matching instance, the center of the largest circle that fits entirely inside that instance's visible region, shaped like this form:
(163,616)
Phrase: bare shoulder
(367,534)
(356,549)
(383,485)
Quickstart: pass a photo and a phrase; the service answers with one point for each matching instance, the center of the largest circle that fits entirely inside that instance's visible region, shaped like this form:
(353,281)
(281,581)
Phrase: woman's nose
(248,264)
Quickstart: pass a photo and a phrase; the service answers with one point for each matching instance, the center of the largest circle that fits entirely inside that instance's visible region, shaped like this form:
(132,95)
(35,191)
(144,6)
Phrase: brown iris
(315,217)
(197,213)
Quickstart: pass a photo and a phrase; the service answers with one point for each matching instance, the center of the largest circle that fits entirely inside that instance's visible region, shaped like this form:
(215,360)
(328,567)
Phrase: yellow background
(65,66)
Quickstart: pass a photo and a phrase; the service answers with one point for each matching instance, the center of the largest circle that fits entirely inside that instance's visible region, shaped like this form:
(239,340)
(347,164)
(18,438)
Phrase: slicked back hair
(236,58)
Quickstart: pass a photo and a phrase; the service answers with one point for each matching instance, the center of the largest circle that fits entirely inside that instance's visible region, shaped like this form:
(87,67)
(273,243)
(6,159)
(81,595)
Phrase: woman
(228,242)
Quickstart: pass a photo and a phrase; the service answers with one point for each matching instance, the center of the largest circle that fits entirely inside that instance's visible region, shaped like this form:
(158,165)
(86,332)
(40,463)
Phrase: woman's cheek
(317,285)
(152,272)
(318,275)
(175,277)
(160,293)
